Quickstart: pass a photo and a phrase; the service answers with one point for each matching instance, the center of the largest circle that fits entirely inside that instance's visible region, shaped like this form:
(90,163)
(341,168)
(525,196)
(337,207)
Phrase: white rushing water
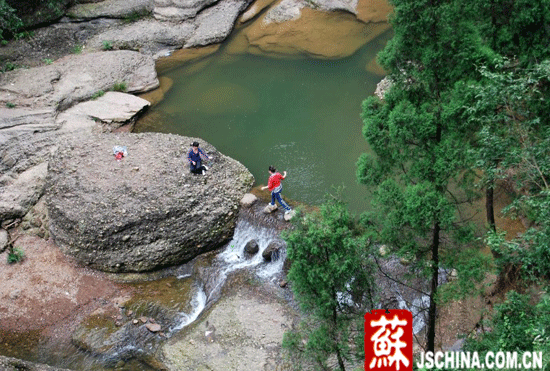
(230,259)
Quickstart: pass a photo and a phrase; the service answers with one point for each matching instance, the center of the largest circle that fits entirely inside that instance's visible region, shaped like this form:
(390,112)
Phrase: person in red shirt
(275,186)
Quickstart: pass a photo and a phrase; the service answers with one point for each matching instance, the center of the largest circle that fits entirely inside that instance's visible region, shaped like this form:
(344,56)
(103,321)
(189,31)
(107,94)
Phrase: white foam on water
(197,304)
(233,258)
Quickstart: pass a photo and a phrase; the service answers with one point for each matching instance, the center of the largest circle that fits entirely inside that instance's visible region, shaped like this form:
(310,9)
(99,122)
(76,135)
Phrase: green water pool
(301,115)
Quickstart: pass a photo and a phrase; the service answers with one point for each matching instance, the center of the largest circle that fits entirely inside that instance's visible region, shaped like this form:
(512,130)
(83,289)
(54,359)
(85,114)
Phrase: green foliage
(136,16)
(10,105)
(10,23)
(516,29)
(77,49)
(15,255)
(516,325)
(107,45)
(332,280)
(48,61)
(98,94)
(120,86)
(9,66)
(420,170)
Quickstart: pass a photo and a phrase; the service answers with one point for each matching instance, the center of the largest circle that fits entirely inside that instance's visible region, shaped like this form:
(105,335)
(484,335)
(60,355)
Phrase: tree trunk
(489,208)
(435,277)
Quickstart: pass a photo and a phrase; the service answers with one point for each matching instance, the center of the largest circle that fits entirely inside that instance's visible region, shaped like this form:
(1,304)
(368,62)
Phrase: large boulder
(77,78)
(109,112)
(145,211)
(216,23)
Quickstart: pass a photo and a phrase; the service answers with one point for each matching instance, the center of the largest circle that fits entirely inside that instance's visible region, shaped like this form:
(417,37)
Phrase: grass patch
(98,94)
(15,255)
(120,86)
(48,61)
(10,105)
(77,49)
(136,16)
(107,45)
(9,66)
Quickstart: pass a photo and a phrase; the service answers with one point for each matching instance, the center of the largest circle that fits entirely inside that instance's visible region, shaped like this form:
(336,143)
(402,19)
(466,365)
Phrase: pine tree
(419,169)
(331,278)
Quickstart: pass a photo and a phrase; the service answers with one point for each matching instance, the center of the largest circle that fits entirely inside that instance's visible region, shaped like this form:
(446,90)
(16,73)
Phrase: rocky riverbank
(56,138)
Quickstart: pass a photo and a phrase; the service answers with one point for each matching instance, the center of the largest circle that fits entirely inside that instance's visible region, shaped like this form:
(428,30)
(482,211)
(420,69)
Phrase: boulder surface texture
(145,211)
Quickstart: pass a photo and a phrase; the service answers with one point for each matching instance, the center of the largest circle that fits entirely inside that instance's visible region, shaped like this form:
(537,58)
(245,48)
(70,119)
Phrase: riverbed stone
(251,247)
(326,30)
(9,363)
(170,215)
(269,208)
(271,252)
(232,336)
(248,200)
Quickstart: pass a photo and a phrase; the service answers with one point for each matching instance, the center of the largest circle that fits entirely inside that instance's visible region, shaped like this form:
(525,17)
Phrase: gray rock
(270,208)
(289,215)
(171,216)
(382,87)
(248,200)
(216,23)
(8,364)
(111,110)
(153,327)
(148,36)
(17,198)
(26,136)
(111,9)
(251,247)
(289,10)
(77,78)
(286,10)
(179,10)
(4,238)
(271,252)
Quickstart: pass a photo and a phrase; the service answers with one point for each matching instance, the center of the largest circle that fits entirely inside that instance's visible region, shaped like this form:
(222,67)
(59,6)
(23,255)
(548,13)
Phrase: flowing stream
(209,283)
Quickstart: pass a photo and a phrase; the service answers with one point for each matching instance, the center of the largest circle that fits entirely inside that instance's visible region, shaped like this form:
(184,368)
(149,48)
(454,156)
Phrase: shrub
(9,21)
(120,86)
(107,45)
(77,49)
(10,105)
(15,255)
(48,61)
(98,94)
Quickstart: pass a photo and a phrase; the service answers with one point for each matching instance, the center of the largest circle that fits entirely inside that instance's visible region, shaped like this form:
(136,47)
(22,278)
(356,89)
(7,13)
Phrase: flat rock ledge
(143,212)
(8,364)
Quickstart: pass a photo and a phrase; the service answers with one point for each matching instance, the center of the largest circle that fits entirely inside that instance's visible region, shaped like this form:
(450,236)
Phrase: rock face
(7,363)
(145,211)
(77,78)
(110,9)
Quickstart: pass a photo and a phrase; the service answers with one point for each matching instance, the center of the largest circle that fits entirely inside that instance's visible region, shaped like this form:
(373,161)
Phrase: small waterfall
(198,304)
(210,280)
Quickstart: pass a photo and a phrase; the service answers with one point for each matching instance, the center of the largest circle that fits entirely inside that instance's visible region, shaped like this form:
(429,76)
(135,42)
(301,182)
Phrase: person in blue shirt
(195,159)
